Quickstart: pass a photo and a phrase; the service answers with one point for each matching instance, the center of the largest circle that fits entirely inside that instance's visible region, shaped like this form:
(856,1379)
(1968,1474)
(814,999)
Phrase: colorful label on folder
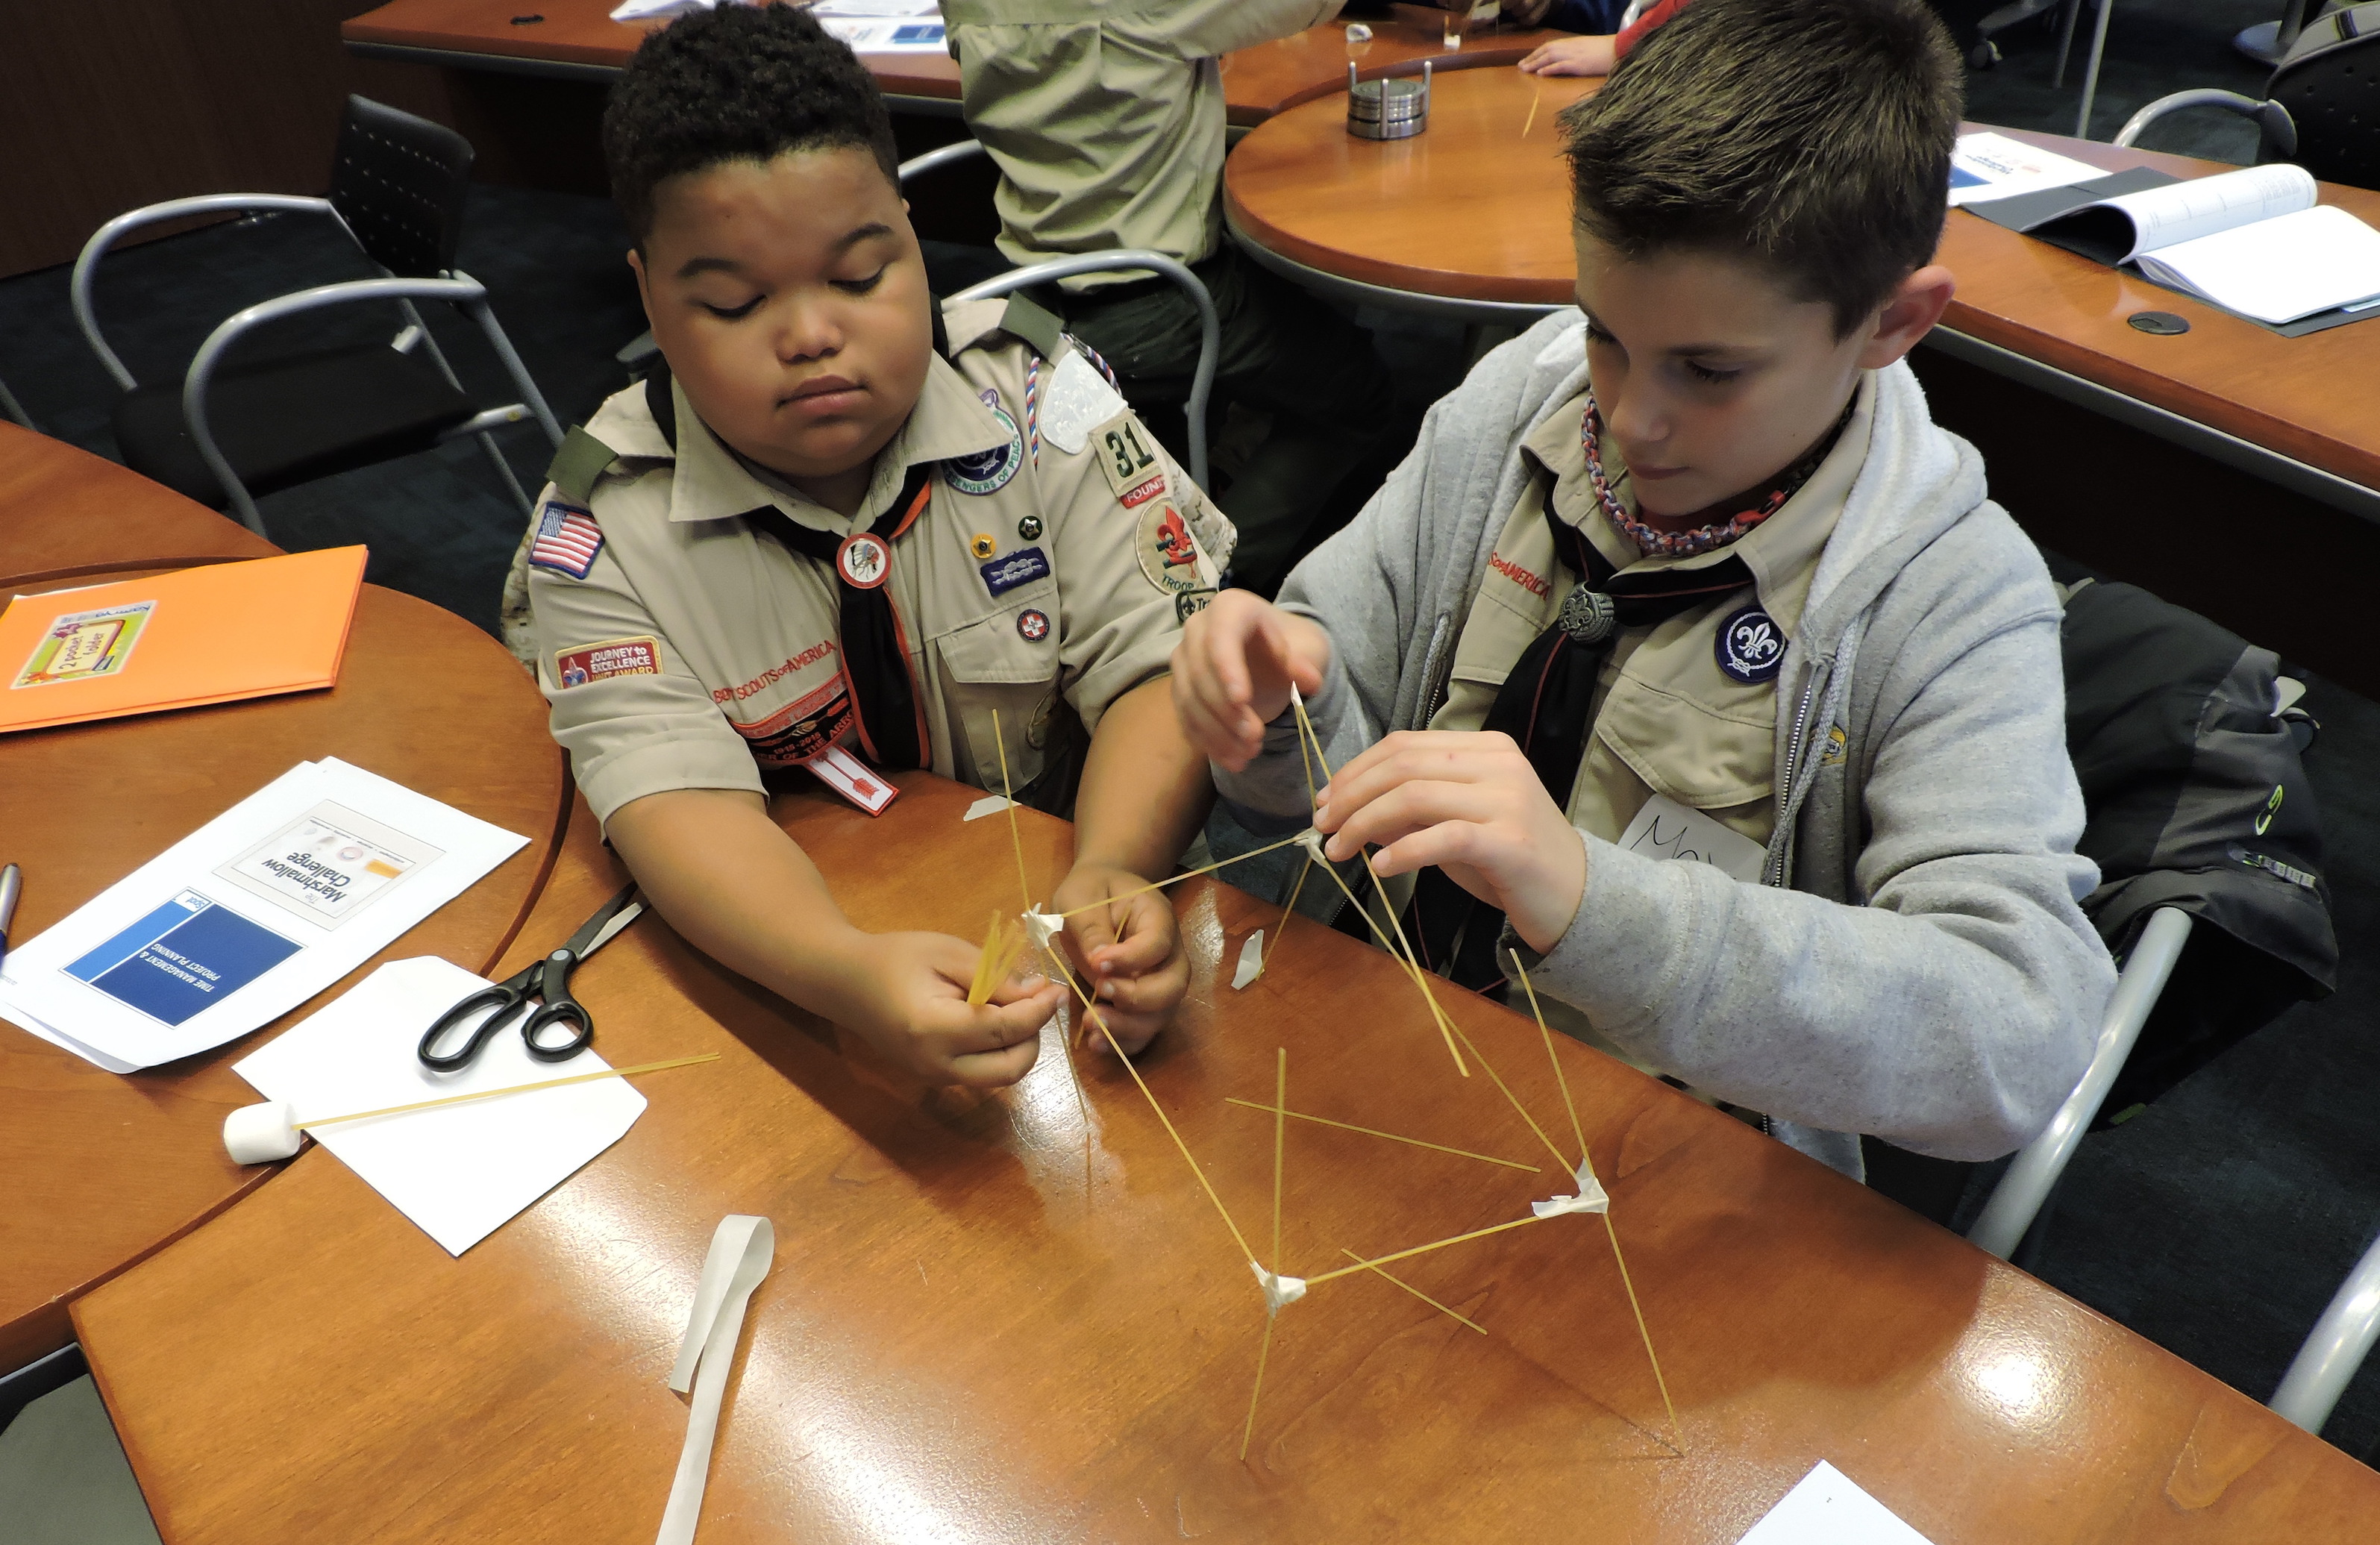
(186,955)
(80,645)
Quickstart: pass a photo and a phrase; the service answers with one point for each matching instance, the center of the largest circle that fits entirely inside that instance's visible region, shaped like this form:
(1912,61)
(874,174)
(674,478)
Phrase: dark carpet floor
(2216,1223)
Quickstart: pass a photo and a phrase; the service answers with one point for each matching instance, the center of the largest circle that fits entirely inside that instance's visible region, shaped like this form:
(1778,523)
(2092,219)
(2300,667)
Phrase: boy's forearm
(742,892)
(1144,789)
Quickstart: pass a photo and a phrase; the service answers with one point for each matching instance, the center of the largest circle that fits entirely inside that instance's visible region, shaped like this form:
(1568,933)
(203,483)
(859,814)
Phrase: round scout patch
(983,546)
(1032,627)
(864,561)
(1029,529)
(1749,645)
(1163,546)
(989,471)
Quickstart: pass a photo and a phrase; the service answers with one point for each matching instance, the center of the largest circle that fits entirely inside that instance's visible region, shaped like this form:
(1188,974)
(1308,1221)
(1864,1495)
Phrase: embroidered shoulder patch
(1163,544)
(566,541)
(614,657)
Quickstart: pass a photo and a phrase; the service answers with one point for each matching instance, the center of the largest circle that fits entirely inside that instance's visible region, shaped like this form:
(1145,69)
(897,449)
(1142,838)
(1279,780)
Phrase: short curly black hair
(737,83)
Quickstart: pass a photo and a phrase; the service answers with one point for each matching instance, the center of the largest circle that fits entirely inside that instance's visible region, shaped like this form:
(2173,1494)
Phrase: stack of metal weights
(1390,108)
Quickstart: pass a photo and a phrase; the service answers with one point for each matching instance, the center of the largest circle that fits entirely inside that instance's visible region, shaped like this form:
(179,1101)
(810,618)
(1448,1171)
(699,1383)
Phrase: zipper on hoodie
(1787,805)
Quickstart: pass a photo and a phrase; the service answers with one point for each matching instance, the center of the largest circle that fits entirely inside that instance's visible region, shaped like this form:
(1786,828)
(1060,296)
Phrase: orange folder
(208,635)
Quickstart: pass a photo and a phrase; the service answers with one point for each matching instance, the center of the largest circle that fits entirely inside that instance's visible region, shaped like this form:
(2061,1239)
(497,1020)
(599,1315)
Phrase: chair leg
(2091,72)
(12,408)
(2073,8)
(2340,1341)
(505,471)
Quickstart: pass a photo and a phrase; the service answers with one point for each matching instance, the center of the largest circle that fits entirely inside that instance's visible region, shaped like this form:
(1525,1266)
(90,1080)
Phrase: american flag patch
(567,540)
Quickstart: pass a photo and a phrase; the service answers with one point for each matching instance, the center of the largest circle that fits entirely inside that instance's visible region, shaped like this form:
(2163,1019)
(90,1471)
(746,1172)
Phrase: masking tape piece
(740,1250)
(1251,960)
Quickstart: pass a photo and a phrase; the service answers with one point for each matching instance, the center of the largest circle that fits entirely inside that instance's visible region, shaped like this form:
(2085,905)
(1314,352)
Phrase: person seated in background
(838,522)
(1106,121)
(1690,572)
(1610,33)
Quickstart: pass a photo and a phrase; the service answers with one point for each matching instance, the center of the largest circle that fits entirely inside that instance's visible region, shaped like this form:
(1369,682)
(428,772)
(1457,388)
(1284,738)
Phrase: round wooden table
(101,1169)
(64,511)
(1469,218)
(991,1319)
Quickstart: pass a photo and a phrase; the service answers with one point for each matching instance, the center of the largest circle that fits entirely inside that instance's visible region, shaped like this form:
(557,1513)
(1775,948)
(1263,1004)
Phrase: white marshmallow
(261,1134)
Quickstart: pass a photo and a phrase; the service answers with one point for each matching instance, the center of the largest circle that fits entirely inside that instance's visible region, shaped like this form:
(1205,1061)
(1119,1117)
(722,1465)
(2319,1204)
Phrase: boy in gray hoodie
(1688,573)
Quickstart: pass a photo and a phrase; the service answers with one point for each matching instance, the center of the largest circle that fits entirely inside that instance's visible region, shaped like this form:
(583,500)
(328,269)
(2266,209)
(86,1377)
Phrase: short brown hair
(1813,136)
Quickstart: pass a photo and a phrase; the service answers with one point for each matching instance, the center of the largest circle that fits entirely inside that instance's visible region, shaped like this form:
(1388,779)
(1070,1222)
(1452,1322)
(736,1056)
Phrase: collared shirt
(1669,718)
(683,646)
(1106,116)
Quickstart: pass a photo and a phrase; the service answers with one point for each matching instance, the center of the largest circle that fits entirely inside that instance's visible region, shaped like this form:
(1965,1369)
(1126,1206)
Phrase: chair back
(2196,799)
(398,181)
(2330,83)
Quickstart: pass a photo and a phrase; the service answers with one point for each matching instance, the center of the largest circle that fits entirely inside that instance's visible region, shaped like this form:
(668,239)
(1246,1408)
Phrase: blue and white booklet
(245,918)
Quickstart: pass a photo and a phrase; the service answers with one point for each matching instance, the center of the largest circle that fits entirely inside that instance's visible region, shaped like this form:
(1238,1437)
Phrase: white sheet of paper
(460,1171)
(897,35)
(1078,401)
(990,804)
(1988,165)
(1665,829)
(2186,211)
(824,8)
(240,921)
(647,10)
(1826,1508)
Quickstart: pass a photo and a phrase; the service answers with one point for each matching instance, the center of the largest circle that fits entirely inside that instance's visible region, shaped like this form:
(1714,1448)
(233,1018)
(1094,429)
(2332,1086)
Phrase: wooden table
(64,511)
(100,1170)
(990,1321)
(1471,211)
(576,39)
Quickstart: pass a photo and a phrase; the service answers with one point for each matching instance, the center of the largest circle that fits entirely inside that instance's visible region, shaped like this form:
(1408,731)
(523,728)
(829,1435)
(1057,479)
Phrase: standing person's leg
(1284,354)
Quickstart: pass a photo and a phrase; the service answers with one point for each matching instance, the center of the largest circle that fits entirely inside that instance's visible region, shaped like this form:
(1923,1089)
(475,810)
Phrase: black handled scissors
(548,981)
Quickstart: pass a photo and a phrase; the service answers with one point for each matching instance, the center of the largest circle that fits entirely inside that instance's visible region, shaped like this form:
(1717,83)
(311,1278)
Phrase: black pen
(12,879)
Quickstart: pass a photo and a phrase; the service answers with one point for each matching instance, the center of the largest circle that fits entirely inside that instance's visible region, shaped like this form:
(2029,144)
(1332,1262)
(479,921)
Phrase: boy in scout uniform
(1106,118)
(840,531)
(1688,573)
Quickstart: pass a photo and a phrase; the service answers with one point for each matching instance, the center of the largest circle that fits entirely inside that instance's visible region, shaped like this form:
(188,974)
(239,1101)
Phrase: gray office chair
(2321,108)
(2187,742)
(224,434)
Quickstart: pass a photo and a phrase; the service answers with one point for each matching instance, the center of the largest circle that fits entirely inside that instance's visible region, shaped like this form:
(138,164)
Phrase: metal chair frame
(1210,332)
(2017,1200)
(2279,131)
(456,289)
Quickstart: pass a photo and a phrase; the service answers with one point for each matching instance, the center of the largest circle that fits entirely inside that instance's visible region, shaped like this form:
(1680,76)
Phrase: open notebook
(2252,241)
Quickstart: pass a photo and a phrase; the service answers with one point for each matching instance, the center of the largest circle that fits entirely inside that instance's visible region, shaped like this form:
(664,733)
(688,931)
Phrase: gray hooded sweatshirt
(1915,964)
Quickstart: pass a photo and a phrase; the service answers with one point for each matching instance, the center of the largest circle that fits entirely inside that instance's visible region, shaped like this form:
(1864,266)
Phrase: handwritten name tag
(1665,829)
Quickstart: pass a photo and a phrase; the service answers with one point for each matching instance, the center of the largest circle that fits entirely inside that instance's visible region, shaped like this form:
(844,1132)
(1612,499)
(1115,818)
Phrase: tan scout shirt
(1106,116)
(692,649)
(1667,718)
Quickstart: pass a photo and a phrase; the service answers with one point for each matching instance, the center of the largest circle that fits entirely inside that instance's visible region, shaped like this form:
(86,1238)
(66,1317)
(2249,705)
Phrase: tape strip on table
(741,1251)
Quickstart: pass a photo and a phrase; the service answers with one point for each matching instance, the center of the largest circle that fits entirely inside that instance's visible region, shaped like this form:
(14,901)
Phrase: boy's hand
(1471,804)
(913,1011)
(1129,954)
(1233,672)
(1570,56)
